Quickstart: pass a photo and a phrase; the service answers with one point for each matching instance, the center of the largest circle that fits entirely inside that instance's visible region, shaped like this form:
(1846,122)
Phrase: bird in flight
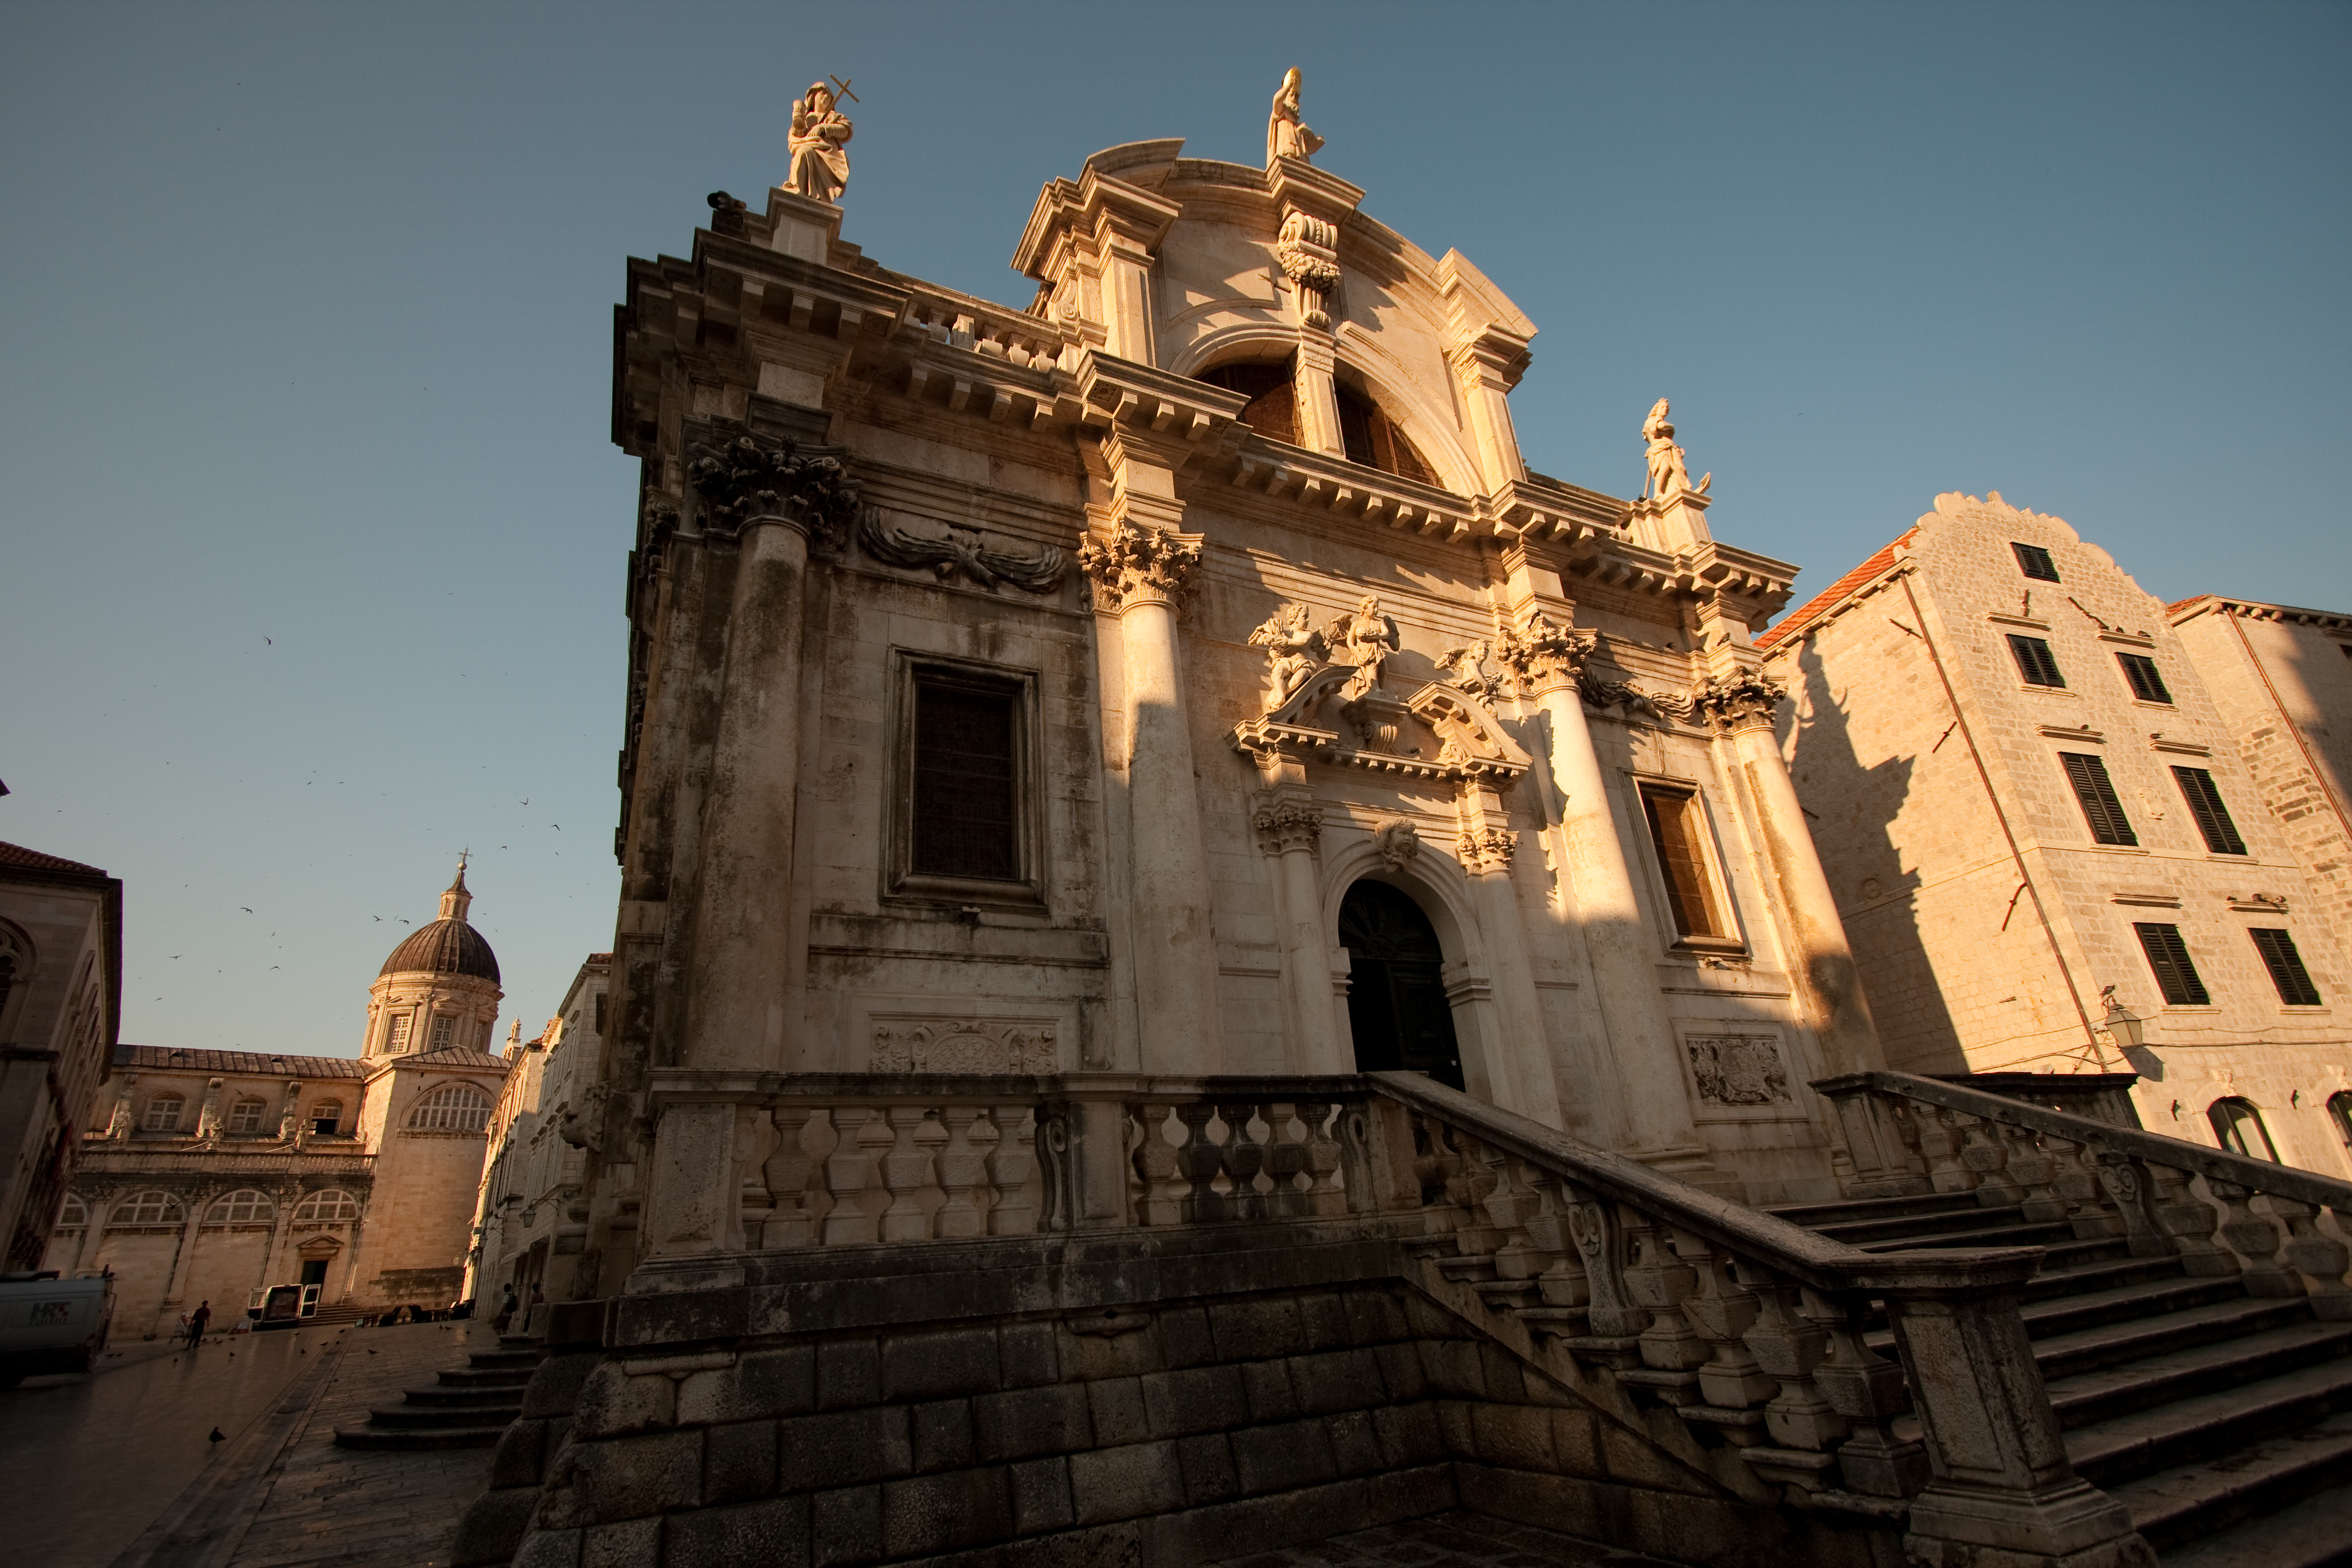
(247,909)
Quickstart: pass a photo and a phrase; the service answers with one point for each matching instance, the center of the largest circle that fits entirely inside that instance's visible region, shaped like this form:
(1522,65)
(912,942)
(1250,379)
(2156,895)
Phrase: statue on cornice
(1668,474)
(1364,638)
(1293,648)
(820,166)
(1287,135)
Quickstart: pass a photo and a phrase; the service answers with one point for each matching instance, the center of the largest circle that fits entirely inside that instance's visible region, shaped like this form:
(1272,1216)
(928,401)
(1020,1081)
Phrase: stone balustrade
(1008,335)
(2284,1230)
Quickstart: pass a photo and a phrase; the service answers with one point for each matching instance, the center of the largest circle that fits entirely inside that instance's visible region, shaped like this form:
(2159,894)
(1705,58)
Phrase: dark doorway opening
(1396,996)
(314,1271)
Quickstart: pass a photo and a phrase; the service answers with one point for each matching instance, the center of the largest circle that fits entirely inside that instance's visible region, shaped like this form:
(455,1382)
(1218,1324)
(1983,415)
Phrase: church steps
(2175,1507)
(438,1418)
(2206,1426)
(463,1398)
(2114,1267)
(407,1440)
(485,1377)
(2013,1234)
(2086,1398)
(2068,1318)
(1826,1218)
(468,1407)
(2305,1534)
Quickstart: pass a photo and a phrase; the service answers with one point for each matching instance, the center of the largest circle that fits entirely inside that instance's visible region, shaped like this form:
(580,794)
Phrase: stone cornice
(1115,391)
(1095,207)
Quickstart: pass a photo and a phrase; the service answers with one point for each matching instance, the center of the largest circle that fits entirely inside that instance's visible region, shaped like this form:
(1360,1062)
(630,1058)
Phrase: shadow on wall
(1877,895)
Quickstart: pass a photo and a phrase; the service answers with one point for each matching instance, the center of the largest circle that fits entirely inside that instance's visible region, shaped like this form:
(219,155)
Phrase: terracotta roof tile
(33,859)
(1829,599)
(257,1063)
(454,1057)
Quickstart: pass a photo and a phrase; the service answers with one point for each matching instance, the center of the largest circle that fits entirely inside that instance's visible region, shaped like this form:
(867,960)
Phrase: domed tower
(439,989)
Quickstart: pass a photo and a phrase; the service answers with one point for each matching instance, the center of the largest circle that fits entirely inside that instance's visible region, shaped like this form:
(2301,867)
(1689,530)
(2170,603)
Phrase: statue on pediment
(1293,650)
(1287,135)
(1364,638)
(1668,473)
(821,133)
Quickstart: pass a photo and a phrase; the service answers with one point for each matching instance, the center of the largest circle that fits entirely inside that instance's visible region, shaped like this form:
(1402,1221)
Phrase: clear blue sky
(306,335)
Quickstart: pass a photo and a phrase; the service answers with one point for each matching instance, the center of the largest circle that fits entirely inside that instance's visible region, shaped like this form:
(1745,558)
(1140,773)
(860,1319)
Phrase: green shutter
(2168,956)
(2101,810)
(2212,817)
(2285,964)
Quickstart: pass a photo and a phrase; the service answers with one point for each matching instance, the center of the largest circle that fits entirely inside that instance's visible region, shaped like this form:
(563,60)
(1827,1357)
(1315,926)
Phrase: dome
(444,947)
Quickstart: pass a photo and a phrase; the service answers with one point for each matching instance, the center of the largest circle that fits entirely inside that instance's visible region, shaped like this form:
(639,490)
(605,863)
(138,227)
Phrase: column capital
(743,480)
(1137,567)
(1542,655)
(1743,699)
(1487,849)
(1288,826)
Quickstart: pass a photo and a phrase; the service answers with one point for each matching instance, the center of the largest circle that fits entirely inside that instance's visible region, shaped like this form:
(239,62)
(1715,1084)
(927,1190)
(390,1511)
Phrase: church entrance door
(1396,996)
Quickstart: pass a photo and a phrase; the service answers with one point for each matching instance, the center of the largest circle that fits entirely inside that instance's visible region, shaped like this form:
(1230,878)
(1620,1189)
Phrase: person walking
(197,1320)
(505,1310)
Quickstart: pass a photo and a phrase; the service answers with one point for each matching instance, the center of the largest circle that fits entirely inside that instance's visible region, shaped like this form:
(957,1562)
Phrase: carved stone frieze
(1309,249)
(1289,825)
(1486,848)
(1324,720)
(750,477)
(1397,843)
(955,552)
(963,1045)
(1140,566)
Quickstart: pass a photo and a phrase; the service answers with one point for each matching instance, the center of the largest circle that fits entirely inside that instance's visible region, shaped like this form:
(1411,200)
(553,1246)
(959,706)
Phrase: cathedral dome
(447,946)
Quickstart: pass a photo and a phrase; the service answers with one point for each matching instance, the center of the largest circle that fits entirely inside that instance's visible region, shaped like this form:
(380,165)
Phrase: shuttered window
(2101,810)
(2035,662)
(2213,816)
(2035,561)
(2285,964)
(965,780)
(2146,683)
(2168,956)
(1674,831)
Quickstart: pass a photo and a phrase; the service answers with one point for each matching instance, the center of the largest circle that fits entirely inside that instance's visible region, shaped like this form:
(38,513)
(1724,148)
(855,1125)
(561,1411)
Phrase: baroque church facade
(212,1176)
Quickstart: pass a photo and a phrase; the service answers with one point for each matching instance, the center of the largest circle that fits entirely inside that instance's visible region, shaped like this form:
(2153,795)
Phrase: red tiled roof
(454,1056)
(257,1063)
(2178,606)
(1829,599)
(33,859)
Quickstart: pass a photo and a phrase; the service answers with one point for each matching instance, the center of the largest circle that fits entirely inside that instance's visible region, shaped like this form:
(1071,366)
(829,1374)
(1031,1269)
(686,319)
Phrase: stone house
(2046,843)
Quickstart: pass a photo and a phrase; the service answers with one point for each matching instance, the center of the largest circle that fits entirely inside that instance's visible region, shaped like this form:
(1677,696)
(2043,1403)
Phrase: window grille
(452,1107)
(1676,833)
(2036,665)
(147,1208)
(327,1205)
(445,1032)
(2146,684)
(2102,812)
(2285,964)
(244,1206)
(163,1112)
(246,1116)
(326,1117)
(2035,561)
(395,1038)
(966,779)
(2167,955)
(2238,1127)
(2213,816)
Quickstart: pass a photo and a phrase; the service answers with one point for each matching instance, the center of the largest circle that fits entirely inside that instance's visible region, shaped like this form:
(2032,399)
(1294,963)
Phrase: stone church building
(1207,962)
(212,1175)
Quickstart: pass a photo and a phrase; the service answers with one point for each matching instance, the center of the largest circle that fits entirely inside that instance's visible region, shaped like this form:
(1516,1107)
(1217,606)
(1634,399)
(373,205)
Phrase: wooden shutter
(965,781)
(2101,810)
(2146,684)
(2285,964)
(2035,662)
(2035,561)
(1674,833)
(2168,956)
(2213,816)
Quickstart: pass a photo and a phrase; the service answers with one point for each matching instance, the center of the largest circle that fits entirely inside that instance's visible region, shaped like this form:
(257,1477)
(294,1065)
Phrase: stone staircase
(465,1407)
(2222,1420)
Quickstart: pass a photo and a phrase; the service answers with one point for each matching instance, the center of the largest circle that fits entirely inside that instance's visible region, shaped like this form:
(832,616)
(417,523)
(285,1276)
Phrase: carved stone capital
(1540,654)
(1289,825)
(747,479)
(1140,566)
(1737,701)
(1486,848)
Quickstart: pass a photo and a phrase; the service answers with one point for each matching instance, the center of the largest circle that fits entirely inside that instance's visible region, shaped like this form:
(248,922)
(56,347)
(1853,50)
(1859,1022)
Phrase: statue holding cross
(821,133)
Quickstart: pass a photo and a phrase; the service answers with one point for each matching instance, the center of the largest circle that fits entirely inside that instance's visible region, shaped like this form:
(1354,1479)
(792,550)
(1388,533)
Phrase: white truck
(49,1324)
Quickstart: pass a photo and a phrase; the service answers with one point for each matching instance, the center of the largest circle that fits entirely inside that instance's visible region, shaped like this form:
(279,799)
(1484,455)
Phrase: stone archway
(1398,1013)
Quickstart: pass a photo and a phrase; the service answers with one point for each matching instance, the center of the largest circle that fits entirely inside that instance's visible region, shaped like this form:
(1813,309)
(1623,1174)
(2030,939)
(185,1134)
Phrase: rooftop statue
(1667,473)
(1287,135)
(820,168)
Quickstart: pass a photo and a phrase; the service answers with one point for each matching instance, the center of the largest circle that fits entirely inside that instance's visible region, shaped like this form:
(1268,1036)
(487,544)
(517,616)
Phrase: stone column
(1291,831)
(1743,704)
(1139,574)
(1522,1077)
(184,1260)
(97,1201)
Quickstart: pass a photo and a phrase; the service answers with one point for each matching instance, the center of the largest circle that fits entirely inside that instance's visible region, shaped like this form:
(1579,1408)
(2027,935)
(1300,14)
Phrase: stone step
(2066,1271)
(2175,1507)
(2137,1443)
(505,1360)
(2104,1345)
(2056,1232)
(2081,1309)
(2087,1397)
(484,1377)
(2314,1533)
(461,1398)
(417,1418)
(438,1437)
(1917,1229)
(1816,1216)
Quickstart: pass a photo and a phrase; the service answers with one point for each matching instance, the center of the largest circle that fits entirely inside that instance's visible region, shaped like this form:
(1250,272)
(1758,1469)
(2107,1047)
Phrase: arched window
(246,1116)
(2239,1128)
(163,1112)
(243,1206)
(1272,407)
(326,1204)
(148,1208)
(74,1214)
(452,1107)
(326,1116)
(2339,1111)
(1372,439)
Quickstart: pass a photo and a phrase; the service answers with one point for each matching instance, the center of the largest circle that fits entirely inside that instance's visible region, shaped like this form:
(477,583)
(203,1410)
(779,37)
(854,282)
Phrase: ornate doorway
(1396,998)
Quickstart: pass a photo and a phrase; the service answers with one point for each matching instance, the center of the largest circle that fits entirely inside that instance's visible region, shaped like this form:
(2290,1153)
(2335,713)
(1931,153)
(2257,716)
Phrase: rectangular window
(2101,810)
(395,1038)
(2285,964)
(2167,955)
(2036,663)
(967,826)
(2213,816)
(2146,683)
(2035,561)
(245,1115)
(445,1032)
(1678,832)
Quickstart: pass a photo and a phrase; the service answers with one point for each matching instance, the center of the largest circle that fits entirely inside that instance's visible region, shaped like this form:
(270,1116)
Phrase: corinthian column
(1140,574)
(1522,1077)
(1742,705)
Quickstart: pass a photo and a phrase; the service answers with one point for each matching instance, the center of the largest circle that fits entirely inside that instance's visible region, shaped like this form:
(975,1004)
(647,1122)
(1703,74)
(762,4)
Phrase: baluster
(961,1169)
(1161,1201)
(2091,1212)
(2318,1256)
(848,1171)
(1506,1204)
(2188,1223)
(1563,1283)
(2256,1239)
(1285,1161)
(1940,1139)
(1615,1320)
(1987,1157)
(1721,1309)
(1200,1161)
(1013,1170)
(1325,1195)
(1472,1179)
(1788,1346)
(2033,1166)
(1434,1162)
(788,1170)
(1868,1391)
(907,1175)
(1659,1279)
(2124,1183)
(1245,1159)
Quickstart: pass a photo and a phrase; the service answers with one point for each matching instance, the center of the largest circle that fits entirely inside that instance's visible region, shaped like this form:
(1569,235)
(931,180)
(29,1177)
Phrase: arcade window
(452,1107)
(148,1208)
(2238,1127)
(1678,833)
(243,1206)
(2146,684)
(2036,665)
(2102,812)
(2035,561)
(967,821)
(2213,816)
(2168,958)
(2285,964)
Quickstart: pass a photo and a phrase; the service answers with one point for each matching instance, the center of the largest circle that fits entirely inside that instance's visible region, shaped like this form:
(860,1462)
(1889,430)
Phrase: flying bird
(247,909)
(265,640)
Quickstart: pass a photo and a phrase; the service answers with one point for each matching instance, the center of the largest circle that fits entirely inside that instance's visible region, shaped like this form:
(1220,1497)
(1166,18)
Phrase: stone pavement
(1454,1539)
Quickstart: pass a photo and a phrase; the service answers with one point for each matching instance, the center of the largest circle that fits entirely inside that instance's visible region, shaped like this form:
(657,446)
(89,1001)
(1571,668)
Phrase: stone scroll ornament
(1140,565)
(961,552)
(1309,249)
(748,478)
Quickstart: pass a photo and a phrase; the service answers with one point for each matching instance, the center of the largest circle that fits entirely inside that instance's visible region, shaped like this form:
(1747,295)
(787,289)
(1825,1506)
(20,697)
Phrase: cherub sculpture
(820,135)
(1293,648)
(1467,665)
(1365,638)
(1287,135)
(1668,473)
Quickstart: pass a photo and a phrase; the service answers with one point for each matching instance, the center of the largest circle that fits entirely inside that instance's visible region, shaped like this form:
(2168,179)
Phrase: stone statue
(1364,638)
(1287,135)
(1293,648)
(820,132)
(1667,473)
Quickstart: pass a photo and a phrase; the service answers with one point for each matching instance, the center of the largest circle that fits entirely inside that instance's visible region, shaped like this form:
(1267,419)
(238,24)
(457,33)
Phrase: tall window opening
(2146,683)
(452,1107)
(1678,833)
(1272,407)
(1372,438)
(2168,958)
(246,1117)
(2102,812)
(2238,1127)
(445,1032)
(2339,1111)
(395,1038)
(2285,964)
(2036,665)
(326,1117)
(2035,561)
(163,1112)
(2204,800)
(966,778)
(1397,1010)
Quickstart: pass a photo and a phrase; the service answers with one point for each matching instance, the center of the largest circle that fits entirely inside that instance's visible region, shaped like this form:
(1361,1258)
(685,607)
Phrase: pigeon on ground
(218,1436)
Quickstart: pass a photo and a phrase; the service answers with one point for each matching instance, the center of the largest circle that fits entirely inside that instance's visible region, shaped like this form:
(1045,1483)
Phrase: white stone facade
(60,1007)
(530,1226)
